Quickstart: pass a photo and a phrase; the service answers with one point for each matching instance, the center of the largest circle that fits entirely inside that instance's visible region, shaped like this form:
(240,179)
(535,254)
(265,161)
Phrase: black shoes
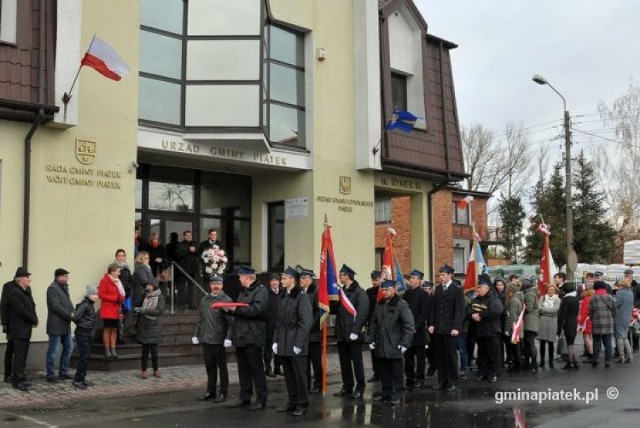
(342,392)
(21,387)
(257,406)
(79,385)
(493,379)
(269,372)
(314,390)
(417,384)
(52,379)
(7,379)
(374,378)
(277,372)
(238,404)
(449,388)
(207,396)
(64,377)
(220,398)
(356,395)
(482,377)
(393,401)
(299,411)
(286,408)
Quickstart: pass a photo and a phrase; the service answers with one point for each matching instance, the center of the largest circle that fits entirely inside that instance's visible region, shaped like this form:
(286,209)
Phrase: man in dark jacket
(249,336)
(315,334)
(445,323)
(391,334)
(350,320)
(213,332)
(414,358)
(84,316)
(372,294)
(189,260)
(4,315)
(22,319)
(275,292)
(487,309)
(291,341)
(59,315)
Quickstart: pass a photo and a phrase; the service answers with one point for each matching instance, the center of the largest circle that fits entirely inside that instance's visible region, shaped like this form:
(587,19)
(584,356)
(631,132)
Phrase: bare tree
(493,165)
(622,168)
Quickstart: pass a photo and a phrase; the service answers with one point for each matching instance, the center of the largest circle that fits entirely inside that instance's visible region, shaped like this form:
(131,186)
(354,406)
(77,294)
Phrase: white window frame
(384,212)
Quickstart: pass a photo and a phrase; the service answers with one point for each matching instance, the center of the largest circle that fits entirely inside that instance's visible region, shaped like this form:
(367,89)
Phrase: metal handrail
(173,282)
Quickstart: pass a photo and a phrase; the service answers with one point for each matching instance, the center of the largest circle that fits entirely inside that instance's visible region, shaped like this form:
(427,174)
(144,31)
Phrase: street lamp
(572,259)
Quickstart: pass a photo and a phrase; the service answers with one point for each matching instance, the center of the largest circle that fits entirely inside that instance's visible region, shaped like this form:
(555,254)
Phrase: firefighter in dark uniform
(349,334)
(414,358)
(391,334)
(487,309)
(372,294)
(315,335)
(445,323)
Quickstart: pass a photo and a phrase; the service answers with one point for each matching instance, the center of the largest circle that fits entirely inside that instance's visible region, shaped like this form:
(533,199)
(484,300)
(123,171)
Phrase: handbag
(562,345)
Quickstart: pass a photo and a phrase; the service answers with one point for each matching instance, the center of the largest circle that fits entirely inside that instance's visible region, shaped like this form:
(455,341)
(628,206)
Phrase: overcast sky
(589,50)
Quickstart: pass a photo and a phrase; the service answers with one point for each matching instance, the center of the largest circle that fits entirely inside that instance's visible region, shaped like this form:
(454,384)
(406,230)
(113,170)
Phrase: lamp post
(571,255)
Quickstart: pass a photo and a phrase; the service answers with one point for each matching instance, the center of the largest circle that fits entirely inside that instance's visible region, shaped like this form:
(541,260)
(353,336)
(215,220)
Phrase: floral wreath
(215,260)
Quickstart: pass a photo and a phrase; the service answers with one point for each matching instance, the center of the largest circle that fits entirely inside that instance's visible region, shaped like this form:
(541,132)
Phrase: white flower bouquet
(215,260)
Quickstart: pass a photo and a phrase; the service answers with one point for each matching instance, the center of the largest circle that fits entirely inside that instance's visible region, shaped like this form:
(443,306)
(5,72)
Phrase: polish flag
(105,60)
(462,204)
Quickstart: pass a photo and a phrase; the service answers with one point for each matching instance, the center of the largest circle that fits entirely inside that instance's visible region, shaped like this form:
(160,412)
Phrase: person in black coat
(568,322)
(149,332)
(487,310)
(445,323)
(22,318)
(372,295)
(291,341)
(275,292)
(315,333)
(189,260)
(59,314)
(414,358)
(392,330)
(4,315)
(84,316)
(350,322)
(249,336)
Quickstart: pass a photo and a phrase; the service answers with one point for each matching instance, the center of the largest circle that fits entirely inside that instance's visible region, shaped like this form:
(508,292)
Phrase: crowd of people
(429,330)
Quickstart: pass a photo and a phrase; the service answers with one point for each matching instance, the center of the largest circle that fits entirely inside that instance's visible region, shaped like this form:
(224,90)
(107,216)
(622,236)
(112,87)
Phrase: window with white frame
(459,259)
(8,20)
(383,210)
(461,215)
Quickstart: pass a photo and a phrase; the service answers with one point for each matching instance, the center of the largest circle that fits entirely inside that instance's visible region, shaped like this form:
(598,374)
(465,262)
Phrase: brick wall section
(442,214)
(401,222)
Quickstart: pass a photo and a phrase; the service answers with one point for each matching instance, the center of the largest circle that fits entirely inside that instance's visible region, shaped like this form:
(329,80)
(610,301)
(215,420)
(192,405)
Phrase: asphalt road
(473,404)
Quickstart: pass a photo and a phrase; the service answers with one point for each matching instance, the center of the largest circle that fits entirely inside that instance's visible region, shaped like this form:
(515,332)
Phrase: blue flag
(401,120)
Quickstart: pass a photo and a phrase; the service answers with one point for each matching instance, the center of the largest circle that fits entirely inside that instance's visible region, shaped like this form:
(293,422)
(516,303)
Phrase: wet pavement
(122,399)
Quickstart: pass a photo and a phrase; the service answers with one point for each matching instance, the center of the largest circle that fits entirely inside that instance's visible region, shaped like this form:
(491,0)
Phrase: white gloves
(372,346)
(402,349)
(353,336)
(195,340)
(296,350)
(274,348)
(227,343)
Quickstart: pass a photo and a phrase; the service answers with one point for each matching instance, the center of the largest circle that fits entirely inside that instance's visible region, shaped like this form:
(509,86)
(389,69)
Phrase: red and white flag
(463,203)
(547,267)
(543,228)
(518,326)
(346,303)
(105,60)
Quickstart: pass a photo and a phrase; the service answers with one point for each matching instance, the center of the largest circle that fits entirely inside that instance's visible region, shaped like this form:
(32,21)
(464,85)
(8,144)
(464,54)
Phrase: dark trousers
(414,364)
(251,373)
(268,355)
(351,363)
(447,359)
(295,376)
(20,352)
(375,365)
(530,350)
(635,341)
(215,360)
(598,340)
(431,357)
(506,341)
(543,345)
(390,377)
(8,358)
(516,355)
(315,361)
(144,359)
(186,291)
(489,355)
(83,342)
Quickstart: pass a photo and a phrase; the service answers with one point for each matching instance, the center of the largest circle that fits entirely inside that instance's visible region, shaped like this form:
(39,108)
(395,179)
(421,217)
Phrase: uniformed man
(275,292)
(372,294)
(315,335)
(414,358)
(350,321)
(486,311)
(213,332)
(291,341)
(445,323)
(249,336)
(391,334)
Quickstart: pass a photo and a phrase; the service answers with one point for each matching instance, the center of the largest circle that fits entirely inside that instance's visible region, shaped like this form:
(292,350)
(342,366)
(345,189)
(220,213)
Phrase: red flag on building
(463,203)
(105,60)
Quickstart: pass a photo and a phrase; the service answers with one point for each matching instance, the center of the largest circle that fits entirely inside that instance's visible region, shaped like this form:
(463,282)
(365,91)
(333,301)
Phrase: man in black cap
(4,316)
(414,358)
(445,323)
(249,336)
(291,341)
(22,317)
(487,309)
(213,332)
(350,321)
(372,294)
(275,292)
(315,334)
(391,331)
(59,315)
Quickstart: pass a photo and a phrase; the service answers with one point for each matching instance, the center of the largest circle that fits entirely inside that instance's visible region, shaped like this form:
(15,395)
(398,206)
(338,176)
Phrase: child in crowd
(85,318)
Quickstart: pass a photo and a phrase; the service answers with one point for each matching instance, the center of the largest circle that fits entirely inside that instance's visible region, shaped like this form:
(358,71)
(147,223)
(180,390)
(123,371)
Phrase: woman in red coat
(112,294)
(584,322)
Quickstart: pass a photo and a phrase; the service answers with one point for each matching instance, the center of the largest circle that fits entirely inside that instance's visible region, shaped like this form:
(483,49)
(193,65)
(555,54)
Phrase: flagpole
(324,325)
(67,95)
